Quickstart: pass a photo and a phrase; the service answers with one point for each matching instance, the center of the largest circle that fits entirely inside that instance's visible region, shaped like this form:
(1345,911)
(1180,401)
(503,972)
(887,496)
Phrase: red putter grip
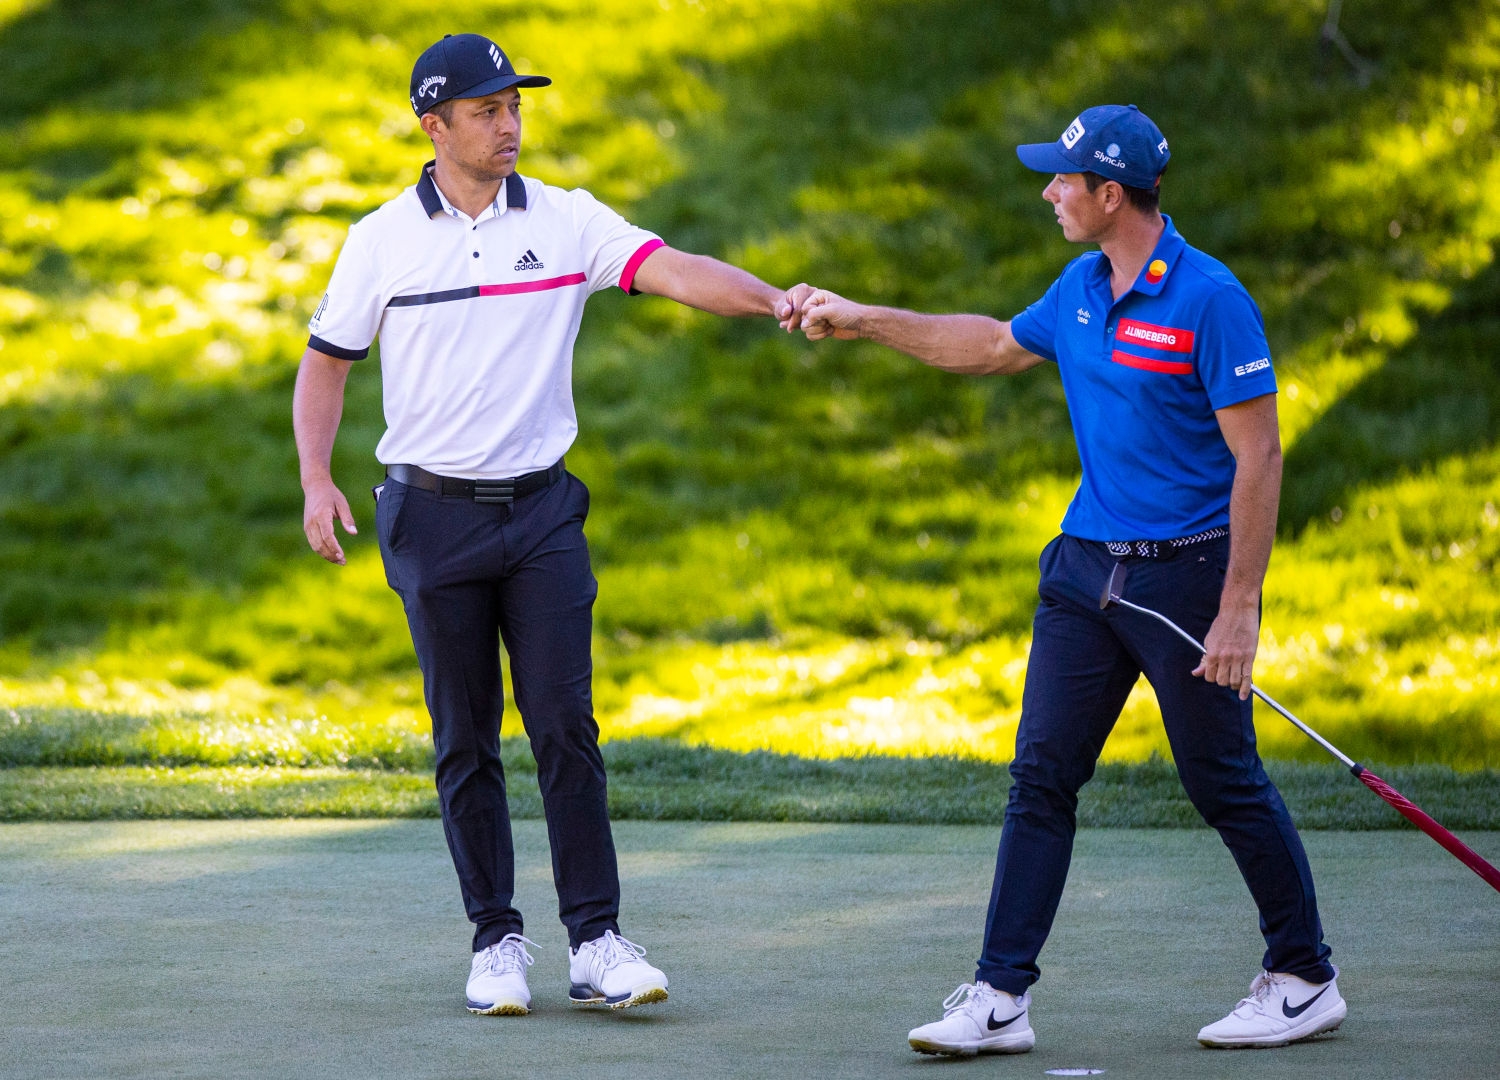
(1409,810)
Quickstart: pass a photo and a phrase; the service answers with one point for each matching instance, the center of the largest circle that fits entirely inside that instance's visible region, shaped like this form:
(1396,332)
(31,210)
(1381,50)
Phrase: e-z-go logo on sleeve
(1250,369)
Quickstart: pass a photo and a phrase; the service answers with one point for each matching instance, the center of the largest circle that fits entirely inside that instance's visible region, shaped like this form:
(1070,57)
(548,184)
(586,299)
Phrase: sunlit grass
(818,551)
(1347,645)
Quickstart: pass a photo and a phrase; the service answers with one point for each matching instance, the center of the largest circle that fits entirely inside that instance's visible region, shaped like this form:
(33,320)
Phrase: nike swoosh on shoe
(993,1026)
(1292,1013)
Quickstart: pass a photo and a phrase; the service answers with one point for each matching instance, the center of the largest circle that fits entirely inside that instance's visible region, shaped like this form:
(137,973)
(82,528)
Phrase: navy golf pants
(1083,664)
(471,575)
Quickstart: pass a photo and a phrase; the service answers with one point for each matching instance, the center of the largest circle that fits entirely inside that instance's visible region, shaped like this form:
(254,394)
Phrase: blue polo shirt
(1143,375)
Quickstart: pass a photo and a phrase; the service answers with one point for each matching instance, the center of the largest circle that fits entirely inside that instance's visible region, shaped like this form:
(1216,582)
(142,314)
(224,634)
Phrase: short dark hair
(1147,200)
(444,109)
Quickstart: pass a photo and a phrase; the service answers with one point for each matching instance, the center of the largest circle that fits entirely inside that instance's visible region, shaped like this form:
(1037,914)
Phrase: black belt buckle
(494,491)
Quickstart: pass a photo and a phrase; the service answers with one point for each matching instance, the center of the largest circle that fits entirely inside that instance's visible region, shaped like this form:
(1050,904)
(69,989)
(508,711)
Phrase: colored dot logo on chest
(1156,271)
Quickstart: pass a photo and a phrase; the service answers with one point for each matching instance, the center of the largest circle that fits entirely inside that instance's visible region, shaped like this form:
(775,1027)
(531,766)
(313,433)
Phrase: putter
(1113,592)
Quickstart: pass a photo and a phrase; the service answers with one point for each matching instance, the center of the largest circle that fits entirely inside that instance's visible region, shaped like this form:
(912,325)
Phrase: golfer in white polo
(474,280)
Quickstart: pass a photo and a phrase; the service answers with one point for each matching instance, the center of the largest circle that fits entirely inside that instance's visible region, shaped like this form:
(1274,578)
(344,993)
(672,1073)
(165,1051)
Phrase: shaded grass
(660,780)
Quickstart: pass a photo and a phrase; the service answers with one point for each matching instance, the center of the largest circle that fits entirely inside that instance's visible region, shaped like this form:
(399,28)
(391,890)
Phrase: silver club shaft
(1257,691)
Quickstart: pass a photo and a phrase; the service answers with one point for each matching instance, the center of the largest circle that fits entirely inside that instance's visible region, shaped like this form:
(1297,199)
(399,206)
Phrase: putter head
(1114,587)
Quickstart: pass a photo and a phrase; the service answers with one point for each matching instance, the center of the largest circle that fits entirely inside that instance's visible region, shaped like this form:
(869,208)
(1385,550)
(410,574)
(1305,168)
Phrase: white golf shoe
(1280,1009)
(978,1019)
(497,978)
(610,971)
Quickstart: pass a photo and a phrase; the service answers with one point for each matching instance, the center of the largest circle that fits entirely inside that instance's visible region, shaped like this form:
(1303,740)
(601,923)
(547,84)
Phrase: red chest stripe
(1166,338)
(1171,367)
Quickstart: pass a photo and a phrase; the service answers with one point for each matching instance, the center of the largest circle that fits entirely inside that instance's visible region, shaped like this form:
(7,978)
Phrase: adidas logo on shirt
(529,261)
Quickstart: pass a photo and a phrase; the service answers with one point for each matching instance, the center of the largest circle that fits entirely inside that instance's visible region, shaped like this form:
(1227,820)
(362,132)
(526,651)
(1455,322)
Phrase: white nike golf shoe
(978,1019)
(1280,1009)
(497,978)
(610,971)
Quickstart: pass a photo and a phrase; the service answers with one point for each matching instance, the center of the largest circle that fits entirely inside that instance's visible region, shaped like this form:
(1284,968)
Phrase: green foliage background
(821,550)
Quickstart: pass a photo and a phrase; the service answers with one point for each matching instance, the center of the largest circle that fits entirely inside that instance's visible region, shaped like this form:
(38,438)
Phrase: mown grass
(83,764)
(659,780)
(827,552)
(78,737)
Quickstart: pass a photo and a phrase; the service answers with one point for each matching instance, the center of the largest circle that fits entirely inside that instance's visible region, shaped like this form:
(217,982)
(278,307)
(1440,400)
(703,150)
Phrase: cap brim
(502,82)
(1046,158)
(490,86)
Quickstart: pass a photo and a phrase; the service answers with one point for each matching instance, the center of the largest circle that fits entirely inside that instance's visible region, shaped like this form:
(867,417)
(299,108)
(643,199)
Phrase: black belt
(481,491)
(1162,549)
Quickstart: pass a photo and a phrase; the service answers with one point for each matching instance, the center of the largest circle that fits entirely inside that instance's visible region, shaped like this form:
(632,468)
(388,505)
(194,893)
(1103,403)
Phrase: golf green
(337,949)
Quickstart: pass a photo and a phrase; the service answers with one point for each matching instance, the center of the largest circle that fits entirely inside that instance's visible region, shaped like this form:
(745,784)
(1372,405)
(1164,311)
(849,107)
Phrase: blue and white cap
(1119,142)
(463,66)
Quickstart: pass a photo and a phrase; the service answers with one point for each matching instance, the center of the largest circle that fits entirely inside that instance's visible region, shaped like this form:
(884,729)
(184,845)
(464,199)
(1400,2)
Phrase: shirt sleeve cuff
(1023,331)
(627,276)
(1225,397)
(315,342)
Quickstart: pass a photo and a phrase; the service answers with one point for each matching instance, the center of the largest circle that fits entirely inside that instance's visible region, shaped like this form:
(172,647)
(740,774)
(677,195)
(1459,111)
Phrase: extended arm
(317,407)
(705,283)
(964,344)
(1254,438)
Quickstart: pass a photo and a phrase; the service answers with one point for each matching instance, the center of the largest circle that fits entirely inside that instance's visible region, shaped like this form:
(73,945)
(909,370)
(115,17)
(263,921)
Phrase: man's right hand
(826,314)
(323,502)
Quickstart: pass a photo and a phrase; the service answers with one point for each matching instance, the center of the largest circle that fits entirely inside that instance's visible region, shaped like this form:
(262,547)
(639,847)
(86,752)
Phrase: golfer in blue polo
(1172,396)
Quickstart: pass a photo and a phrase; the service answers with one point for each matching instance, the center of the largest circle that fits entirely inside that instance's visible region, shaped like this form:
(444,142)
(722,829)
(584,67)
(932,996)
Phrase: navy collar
(515,191)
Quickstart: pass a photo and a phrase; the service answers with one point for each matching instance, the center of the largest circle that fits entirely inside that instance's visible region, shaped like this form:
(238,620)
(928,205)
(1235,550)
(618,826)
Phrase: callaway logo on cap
(463,66)
(1118,142)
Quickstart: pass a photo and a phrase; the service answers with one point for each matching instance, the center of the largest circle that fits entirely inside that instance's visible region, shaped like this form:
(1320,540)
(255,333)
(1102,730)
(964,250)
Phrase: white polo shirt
(477,319)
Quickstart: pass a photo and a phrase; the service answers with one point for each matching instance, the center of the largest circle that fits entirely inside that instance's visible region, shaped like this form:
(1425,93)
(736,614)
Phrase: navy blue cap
(1119,142)
(463,66)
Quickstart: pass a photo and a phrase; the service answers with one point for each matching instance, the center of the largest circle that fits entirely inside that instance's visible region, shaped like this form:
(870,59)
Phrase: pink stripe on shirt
(541,285)
(627,277)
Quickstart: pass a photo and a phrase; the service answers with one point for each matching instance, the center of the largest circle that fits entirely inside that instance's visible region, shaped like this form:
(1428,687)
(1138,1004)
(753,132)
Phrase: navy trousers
(1083,665)
(471,575)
